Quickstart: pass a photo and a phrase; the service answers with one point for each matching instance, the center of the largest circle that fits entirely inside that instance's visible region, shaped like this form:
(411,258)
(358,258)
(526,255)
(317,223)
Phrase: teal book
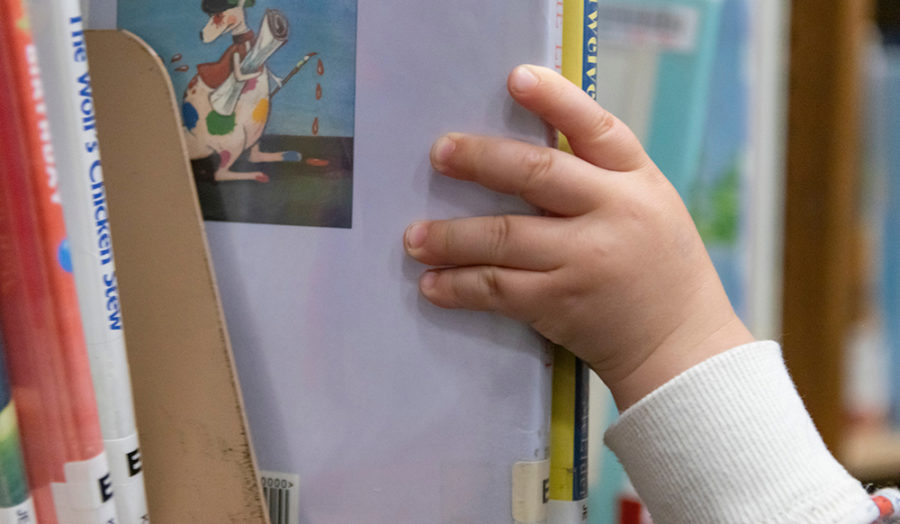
(719,194)
(654,63)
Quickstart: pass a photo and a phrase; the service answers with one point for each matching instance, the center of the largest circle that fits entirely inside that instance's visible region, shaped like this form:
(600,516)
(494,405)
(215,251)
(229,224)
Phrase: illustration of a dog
(226,107)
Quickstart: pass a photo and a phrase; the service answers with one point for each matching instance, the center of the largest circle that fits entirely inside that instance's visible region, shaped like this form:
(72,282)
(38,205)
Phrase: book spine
(16,506)
(571,376)
(569,440)
(48,359)
(62,57)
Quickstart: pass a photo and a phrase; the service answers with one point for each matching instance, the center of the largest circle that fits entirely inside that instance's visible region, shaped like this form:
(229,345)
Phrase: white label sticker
(567,512)
(128,479)
(530,491)
(281,496)
(671,28)
(86,497)
(21,514)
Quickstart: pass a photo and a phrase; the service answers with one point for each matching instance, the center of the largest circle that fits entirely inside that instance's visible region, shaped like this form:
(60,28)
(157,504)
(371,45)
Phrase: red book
(48,362)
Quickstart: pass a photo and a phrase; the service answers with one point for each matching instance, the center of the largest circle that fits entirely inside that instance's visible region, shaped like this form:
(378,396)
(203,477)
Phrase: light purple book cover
(380,406)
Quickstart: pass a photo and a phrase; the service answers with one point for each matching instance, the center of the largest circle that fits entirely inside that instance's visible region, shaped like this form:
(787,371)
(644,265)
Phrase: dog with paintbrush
(226,104)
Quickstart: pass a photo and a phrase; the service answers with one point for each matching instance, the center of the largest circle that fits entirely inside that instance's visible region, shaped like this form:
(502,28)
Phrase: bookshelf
(823,262)
(197,456)
(872,455)
(817,296)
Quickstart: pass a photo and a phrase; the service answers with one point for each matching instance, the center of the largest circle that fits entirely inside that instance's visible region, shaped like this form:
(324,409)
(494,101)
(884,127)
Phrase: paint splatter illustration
(265,142)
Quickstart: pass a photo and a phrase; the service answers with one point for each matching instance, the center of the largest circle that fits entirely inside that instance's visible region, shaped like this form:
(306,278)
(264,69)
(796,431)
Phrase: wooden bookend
(198,461)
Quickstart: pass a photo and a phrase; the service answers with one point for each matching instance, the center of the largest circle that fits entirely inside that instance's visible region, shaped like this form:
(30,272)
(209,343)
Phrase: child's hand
(618,273)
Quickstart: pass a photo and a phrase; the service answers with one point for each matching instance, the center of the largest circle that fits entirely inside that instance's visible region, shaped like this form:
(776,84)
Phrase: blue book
(891,227)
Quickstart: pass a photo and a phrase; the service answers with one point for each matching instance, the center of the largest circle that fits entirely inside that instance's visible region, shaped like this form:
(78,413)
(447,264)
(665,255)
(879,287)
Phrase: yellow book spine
(568,427)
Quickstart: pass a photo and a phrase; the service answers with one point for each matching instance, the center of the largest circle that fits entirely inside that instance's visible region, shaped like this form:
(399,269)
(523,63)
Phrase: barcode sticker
(282,498)
(672,28)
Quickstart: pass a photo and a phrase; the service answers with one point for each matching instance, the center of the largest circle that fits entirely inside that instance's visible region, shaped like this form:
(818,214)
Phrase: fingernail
(522,79)
(426,283)
(415,235)
(441,151)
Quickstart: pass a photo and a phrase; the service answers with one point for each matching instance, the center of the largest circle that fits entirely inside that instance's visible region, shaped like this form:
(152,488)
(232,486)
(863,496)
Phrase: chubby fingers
(547,178)
(594,133)
(510,292)
(522,242)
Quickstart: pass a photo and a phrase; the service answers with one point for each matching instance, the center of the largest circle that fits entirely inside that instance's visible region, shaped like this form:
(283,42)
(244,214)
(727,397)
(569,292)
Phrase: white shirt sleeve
(729,441)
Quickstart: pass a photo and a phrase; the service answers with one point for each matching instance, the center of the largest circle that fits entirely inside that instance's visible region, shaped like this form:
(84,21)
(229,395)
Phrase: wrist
(683,349)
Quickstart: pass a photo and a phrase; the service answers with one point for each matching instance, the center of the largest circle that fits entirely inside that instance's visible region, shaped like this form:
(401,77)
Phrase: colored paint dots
(317,162)
(189,115)
(176,57)
(219,124)
(249,86)
(320,68)
(261,111)
(318,91)
(315,127)
(182,68)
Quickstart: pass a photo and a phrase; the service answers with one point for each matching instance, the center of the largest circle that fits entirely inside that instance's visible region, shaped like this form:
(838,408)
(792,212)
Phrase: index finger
(595,134)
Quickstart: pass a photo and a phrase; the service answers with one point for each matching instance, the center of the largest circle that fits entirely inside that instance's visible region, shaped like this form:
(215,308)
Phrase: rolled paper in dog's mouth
(277,24)
(273,33)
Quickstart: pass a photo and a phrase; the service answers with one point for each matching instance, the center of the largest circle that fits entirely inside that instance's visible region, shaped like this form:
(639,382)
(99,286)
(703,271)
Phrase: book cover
(365,402)
(890,241)
(63,449)
(654,62)
(62,58)
(720,196)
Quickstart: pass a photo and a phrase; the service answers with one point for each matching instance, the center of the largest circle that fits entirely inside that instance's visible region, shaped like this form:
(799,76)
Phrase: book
(720,196)
(62,58)
(364,402)
(654,62)
(63,449)
(16,506)
(889,300)
(569,420)
(569,440)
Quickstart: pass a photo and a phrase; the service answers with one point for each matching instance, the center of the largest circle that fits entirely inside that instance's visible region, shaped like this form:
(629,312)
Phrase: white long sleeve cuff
(729,441)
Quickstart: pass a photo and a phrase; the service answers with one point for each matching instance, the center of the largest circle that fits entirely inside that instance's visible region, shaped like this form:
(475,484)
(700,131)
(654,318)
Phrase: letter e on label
(134,462)
(106,491)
